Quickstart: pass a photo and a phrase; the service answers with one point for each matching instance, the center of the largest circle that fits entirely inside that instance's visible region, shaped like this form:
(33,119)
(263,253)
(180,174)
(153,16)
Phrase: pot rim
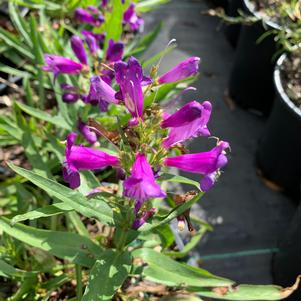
(250,6)
(280,89)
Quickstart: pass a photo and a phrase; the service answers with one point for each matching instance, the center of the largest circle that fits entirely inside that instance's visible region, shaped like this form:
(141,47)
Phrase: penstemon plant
(108,235)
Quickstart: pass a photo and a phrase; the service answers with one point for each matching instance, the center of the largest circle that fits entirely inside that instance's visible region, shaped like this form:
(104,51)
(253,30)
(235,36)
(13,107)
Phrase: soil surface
(275,10)
(291,77)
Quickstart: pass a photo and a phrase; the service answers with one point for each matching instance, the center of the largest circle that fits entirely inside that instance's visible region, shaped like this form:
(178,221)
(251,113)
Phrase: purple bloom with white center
(205,163)
(78,48)
(101,93)
(83,158)
(114,51)
(183,70)
(141,184)
(129,77)
(130,17)
(59,64)
(189,121)
(139,221)
(89,135)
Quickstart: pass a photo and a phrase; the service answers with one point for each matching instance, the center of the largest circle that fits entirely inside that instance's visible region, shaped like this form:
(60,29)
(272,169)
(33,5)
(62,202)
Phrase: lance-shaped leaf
(65,245)
(107,275)
(247,292)
(46,211)
(165,270)
(92,208)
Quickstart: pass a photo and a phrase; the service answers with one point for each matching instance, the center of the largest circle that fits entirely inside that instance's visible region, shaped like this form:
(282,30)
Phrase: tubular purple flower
(206,163)
(78,48)
(92,9)
(70,97)
(138,222)
(83,158)
(189,121)
(89,135)
(99,37)
(59,64)
(129,77)
(130,17)
(84,16)
(141,184)
(104,3)
(183,70)
(114,51)
(101,93)
(91,42)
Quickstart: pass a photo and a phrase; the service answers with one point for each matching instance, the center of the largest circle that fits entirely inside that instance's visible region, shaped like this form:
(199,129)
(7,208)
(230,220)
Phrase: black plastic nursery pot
(278,153)
(287,262)
(251,78)
(232,30)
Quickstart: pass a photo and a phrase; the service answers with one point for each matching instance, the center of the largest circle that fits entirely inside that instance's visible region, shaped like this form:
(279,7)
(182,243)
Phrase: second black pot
(251,78)
(279,151)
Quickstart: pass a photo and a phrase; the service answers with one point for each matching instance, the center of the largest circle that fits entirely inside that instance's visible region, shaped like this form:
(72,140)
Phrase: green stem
(79,285)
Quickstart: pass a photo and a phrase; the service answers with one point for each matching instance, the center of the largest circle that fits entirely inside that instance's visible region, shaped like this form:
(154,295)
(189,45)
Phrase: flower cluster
(149,137)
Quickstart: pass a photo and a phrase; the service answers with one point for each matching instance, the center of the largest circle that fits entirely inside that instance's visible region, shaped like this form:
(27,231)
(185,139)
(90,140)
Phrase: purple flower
(101,93)
(139,221)
(84,16)
(206,163)
(99,37)
(92,9)
(183,70)
(189,121)
(114,51)
(89,135)
(59,64)
(107,75)
(91,42)
(70,97)
(104,3)
(78,48)
(130,17)
(141,184)
(129,77)
(83,158)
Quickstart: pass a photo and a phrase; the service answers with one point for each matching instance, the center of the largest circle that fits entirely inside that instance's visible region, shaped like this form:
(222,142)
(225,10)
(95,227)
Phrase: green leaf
(148,5)
(56,120)
(113,25)
(172,214)
(107,275)
(19,23)
(8,271)
(50,210)
(13,41)
(65,245)
(190,245)
(164,270)
(247,292)
(178,179)
(92,208)
(13,71)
